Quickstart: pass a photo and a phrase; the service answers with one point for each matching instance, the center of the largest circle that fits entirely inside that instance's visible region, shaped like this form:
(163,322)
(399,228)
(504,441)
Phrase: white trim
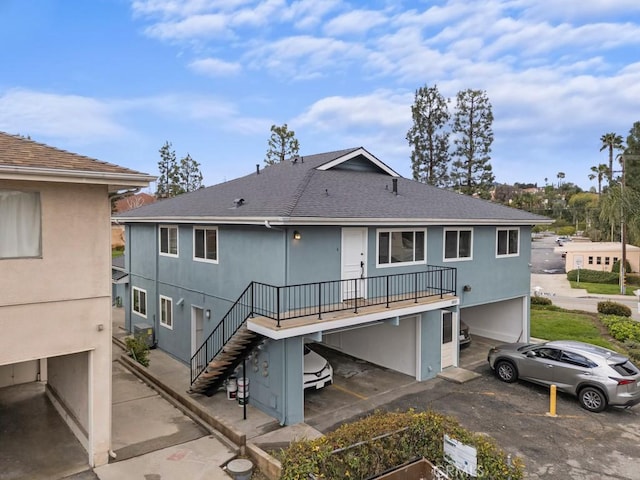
(444,245)
(400,264)
(169,300)
(321,221)
(146,304)
(194,343)
(357,319)
(205,229)
(356,153)
(507,229)
(168,227)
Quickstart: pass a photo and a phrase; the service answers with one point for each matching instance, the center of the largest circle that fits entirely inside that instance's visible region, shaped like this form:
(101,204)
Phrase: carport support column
(99,405)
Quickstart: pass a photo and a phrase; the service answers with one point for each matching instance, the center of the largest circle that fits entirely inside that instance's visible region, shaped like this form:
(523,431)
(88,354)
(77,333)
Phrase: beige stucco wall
(60,304)
(632,256)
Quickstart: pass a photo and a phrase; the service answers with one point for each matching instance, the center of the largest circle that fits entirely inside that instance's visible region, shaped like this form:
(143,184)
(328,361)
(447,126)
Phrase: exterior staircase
(226,361)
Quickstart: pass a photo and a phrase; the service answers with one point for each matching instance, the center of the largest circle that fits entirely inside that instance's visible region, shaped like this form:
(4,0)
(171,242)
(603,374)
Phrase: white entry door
(354,262)
(448,347)
(197,328)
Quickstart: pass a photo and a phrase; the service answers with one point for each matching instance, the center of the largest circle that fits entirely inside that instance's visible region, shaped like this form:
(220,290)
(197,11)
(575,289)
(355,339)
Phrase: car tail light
(622,381)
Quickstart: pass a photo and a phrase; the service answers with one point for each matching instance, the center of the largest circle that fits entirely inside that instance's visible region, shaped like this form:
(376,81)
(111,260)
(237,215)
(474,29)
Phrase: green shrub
(632,280)
(615,268)
(633,347)
(612,308)
(540,301)
(138,349)
(382,441)
(622,328)
(568,230)
(593,276)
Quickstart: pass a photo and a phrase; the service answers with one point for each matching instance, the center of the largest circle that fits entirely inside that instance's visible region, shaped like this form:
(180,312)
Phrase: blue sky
(115,79)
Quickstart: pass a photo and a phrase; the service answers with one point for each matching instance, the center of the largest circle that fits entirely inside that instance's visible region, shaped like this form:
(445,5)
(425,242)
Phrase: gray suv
(596,375)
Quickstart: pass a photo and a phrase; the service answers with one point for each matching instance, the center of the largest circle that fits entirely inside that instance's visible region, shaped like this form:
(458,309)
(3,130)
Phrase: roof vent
(238,202)
(295,159)
(257,168)
(395,186)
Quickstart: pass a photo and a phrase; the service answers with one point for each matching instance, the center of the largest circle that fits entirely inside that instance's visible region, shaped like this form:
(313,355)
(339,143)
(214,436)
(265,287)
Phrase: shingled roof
(22,158)
(342,187)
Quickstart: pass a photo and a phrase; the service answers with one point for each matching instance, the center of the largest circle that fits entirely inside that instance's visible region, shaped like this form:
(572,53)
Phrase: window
(139,301)
(166,312)
(577,360)
(401,247)
(20,225)
(615,259)
(205,244)
(598,260)
(590,260)
(447,327)
(457,244)
(508,242)
(606,260)
(169,241)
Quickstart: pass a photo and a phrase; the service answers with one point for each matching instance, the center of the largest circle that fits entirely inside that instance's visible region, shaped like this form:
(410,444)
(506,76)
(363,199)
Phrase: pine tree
(190,175)
(168,172)
(429,137)
(282,144)
(473,136)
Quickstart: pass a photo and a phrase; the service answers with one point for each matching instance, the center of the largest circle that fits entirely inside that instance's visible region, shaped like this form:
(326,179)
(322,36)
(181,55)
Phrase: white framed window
(401,247)
(169,240)
(205,244)
(20,224)
(139,301)
(166,312)
(458,244)
(507,242)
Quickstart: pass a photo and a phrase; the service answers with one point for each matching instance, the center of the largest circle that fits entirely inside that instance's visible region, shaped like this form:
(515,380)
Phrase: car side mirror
(531,354)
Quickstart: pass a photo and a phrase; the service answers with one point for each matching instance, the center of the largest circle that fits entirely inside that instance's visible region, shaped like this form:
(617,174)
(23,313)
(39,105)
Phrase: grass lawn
(558,324)
(604,288)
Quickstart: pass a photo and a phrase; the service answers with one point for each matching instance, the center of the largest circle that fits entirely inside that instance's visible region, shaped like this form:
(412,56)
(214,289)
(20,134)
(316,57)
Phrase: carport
(37,443)
(504,321)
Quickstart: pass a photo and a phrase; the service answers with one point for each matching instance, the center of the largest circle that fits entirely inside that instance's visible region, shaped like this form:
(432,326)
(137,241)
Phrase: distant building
(599,256)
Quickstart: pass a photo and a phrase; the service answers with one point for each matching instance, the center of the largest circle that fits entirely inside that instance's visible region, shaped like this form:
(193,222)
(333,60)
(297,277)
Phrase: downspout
(157,282)
(284,341)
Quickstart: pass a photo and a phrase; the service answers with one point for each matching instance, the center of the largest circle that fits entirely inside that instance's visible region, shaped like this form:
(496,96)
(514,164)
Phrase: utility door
(197,328)
(448,346)
(354,262)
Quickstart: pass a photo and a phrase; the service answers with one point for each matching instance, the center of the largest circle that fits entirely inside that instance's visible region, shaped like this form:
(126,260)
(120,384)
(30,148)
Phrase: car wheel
(592,399)
(506,371)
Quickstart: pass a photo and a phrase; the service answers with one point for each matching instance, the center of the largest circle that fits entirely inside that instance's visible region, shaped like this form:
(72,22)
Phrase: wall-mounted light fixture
(466,288)
(207,313)
(296,235)
(180,302)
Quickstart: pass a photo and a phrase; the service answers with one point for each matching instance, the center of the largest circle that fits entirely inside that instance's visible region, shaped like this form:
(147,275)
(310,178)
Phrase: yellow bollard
(552,402)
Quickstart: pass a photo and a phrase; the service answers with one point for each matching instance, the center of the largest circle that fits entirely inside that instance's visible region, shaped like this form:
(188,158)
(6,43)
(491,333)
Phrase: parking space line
(345,390)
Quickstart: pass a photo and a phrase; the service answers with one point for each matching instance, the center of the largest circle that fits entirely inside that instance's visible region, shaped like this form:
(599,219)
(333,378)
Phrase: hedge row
(382,441)
(626,331)
(593,276)
(540,301)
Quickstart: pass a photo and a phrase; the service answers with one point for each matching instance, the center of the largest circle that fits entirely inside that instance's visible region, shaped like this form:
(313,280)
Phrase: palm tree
(611,141)
(599,172)
(560,177)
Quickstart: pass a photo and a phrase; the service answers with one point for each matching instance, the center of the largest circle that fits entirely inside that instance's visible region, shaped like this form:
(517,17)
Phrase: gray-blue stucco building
(334,248)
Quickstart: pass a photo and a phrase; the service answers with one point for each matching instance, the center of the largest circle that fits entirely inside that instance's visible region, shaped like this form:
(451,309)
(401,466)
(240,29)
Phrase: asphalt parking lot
(576,444)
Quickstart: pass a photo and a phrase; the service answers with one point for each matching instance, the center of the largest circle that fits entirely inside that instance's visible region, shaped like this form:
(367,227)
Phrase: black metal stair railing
(222,333)
(318,298)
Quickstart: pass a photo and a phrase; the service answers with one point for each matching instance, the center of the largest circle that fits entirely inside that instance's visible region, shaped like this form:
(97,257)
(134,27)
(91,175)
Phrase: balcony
(281,312)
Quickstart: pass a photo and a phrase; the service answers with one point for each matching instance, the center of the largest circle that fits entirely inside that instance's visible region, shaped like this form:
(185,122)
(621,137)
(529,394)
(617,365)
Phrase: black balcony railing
(319,298)
(316,299)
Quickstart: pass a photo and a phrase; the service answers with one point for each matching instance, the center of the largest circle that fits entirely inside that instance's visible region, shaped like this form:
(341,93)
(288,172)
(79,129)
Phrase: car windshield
(529,346)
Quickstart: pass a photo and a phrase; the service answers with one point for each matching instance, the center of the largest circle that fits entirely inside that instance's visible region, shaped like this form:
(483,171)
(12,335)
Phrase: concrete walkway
(558,289)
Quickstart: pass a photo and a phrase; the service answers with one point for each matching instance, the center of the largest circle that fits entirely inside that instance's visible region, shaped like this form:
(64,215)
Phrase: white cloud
(354,22)
(67,116)
(382,108)
(197,26)
(304,56)
(215,67)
